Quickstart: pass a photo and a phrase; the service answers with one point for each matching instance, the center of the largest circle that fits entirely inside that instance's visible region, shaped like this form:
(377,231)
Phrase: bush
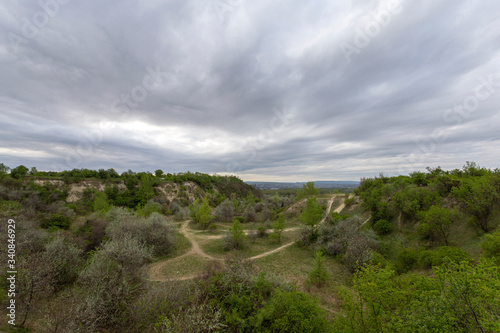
(249,214)
(262,231)
(382,227)
(491,245)
(406,259)
(154,232)
(308,235)
(442,255)
(348,202)
(292,311)
(261,303)
(56,221)
(235,238)
(92,232)
(195,318)
(358,253)
(225,211)
(267,214)
(64,259)
(107,287)
(149,208)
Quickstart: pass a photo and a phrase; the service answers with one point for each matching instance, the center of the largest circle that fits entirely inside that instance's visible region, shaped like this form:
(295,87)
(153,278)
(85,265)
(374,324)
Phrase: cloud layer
(282,90)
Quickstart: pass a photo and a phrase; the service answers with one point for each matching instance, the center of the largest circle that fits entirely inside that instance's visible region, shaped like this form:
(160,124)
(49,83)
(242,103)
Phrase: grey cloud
(228,78)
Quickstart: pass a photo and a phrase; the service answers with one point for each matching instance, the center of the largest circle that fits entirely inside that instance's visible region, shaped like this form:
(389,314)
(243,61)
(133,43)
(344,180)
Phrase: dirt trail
(328,209)
(196,248)
(155,270)
(298,203)
(265,254)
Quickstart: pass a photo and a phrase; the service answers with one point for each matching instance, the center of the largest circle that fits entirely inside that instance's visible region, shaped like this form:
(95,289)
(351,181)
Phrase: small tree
(318,275)
(100,203)
(236,236)
(313,213)
(278,228)
(159,173)
(200,212)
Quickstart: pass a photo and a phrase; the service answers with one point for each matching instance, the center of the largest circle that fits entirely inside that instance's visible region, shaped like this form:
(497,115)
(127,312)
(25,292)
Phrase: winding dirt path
(196,248)
(155,269)
(328,209)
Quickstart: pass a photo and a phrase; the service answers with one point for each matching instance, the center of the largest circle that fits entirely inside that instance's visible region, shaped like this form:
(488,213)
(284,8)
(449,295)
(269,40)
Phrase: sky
(281,90)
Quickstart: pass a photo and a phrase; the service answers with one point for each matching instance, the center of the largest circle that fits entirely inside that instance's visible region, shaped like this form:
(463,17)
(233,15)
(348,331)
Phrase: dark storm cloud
(263,89)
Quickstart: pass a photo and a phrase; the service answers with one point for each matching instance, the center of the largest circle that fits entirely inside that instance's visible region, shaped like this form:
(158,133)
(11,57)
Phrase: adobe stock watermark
(455,115)
(221,7)
(277,124)
(121,108)
(31,26)
(371,29)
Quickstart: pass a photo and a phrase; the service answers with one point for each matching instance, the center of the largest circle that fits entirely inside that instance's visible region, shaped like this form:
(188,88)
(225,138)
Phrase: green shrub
(491,245)
(318,275)
(406,259)
(262,231)
(56,221)
(212,227)
(382,227)
(442,255)
(292,311)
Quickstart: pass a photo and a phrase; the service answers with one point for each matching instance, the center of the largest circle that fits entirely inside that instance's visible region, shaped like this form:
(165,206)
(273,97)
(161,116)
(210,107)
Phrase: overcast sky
(282,90)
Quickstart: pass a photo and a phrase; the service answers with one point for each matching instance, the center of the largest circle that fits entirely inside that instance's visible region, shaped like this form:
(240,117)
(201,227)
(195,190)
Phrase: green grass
(214,247)
(182,245)
(293,265)
(186,266)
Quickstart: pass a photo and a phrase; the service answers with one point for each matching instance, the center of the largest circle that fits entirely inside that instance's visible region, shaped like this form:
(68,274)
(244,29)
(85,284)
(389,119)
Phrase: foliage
(225,211)
(236,237)
(436,223)
(278,227)
(260,303)
(100,203)
(19,172)
(477,197)
(56,221)
(460,297)
(149,208)
(318,275)
(307,190)
(491,245)
(200,212)
(294,312)
(153,232)
(312,214)
(442,255)
(249,214)
(382,227)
